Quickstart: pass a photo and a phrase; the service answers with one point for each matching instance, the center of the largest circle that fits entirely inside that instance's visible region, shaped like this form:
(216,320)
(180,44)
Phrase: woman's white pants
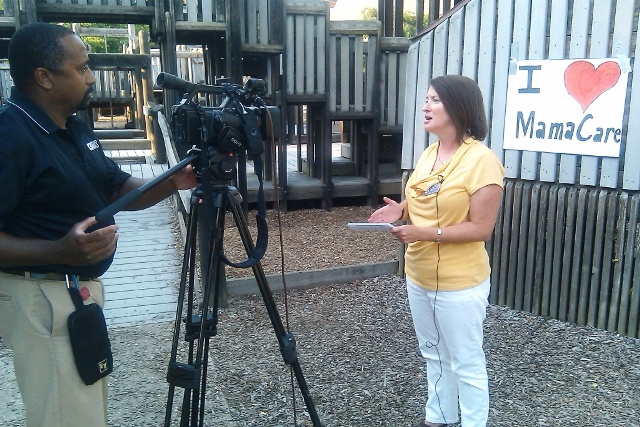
(449,329)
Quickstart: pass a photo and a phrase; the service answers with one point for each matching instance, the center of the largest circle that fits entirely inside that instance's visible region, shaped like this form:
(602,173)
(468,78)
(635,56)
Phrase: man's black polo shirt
(51,178)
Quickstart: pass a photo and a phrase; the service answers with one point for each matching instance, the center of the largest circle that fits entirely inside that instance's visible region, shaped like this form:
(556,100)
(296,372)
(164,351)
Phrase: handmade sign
(571,106)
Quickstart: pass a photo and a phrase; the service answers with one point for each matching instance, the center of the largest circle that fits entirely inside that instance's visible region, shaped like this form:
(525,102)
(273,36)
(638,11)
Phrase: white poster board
(573,106)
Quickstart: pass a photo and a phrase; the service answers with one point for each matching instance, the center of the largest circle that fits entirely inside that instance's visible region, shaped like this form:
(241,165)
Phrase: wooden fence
(566,243)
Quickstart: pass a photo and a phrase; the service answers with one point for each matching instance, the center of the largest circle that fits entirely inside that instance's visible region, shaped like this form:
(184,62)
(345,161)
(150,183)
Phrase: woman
(452,200)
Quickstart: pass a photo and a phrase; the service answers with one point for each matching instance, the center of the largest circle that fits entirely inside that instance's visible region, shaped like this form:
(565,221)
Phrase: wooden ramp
(141,285)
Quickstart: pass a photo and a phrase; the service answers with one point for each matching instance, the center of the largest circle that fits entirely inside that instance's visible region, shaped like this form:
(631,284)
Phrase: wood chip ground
(358,353)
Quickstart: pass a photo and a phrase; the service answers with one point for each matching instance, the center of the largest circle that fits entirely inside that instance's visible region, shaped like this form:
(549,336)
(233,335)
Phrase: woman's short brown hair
(463,101)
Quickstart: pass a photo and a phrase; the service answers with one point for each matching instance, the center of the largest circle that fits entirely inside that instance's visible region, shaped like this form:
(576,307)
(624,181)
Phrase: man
(54,177)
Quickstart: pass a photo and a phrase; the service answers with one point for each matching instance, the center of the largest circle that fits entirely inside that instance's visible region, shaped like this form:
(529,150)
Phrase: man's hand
(80,248)
(185,178)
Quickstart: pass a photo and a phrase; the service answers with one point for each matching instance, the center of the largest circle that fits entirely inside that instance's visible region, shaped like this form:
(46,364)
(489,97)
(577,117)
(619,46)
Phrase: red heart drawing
(585,83)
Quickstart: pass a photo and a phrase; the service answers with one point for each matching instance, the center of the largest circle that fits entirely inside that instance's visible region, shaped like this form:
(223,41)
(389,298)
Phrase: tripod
(191,376)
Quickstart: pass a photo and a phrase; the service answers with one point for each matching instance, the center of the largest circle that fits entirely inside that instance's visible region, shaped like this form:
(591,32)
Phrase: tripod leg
(285,339)
(187,271)
(191,375)
(214,273)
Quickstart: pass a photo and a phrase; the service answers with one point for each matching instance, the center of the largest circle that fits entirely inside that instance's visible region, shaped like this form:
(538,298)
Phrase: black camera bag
(89,340)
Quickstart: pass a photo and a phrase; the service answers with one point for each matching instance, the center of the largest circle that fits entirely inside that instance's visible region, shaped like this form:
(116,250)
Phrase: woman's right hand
(391,212)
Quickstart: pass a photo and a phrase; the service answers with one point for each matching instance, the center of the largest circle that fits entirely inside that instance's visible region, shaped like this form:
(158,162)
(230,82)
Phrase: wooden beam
(312,278)
(102,32)
(354,27)
(200,26)
(306,7)
(119,61)
(133,14)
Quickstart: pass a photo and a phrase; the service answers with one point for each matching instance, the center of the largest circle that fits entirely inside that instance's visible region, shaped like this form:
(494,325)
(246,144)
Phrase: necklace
(440,161)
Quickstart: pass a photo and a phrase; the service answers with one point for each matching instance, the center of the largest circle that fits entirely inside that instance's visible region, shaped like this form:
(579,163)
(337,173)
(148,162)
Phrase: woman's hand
(390,213)
(408,233)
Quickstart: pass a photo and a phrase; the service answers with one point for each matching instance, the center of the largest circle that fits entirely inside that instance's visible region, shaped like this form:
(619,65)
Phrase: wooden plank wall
(305,50)
(353,56)
(113,86)
(190,64)
(256,23)
(201,11)
(566,244)
(475,41)
(392,81)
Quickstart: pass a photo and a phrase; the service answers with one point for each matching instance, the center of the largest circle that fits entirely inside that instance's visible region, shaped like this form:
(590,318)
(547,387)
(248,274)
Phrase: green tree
(408,25)
(99,44)
(369,13)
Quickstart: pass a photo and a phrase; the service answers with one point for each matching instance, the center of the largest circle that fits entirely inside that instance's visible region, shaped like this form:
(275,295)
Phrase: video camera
(239,124)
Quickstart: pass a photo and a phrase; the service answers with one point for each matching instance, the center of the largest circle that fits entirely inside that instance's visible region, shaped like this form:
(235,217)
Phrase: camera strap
(261,222)
(256,149)
(262,240)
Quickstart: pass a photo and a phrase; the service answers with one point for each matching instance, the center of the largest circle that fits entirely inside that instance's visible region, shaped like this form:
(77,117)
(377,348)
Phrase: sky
(350,9)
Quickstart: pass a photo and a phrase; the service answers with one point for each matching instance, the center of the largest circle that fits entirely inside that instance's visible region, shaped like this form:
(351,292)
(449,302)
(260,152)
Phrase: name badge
(433,189)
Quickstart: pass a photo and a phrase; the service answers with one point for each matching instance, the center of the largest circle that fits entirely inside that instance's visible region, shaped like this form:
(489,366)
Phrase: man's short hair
(33,46)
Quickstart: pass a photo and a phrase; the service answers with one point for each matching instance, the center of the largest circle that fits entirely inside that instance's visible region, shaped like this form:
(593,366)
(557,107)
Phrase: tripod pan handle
(118,205)
(134,195)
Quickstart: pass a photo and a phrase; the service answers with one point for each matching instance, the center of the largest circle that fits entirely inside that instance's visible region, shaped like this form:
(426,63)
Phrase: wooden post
(434,11)
(139,121)
(234,71)
(385,16)
(169,60)
(151,122)
(234,42)
(398,27)
(419,16)
(12,8)
(29,8)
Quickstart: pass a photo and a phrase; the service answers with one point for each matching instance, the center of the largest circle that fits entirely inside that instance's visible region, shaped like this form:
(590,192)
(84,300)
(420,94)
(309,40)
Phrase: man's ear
(43,78)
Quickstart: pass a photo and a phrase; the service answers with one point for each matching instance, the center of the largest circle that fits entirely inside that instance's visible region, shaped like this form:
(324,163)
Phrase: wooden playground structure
(335,82)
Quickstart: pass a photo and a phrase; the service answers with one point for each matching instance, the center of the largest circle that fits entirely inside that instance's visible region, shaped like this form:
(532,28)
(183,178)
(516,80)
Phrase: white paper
(369,226)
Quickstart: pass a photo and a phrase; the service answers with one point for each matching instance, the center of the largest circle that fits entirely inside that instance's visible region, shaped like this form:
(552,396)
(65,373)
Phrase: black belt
(44,276)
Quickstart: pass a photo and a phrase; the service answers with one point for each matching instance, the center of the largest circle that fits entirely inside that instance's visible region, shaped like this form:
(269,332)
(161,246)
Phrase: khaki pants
(33,323)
